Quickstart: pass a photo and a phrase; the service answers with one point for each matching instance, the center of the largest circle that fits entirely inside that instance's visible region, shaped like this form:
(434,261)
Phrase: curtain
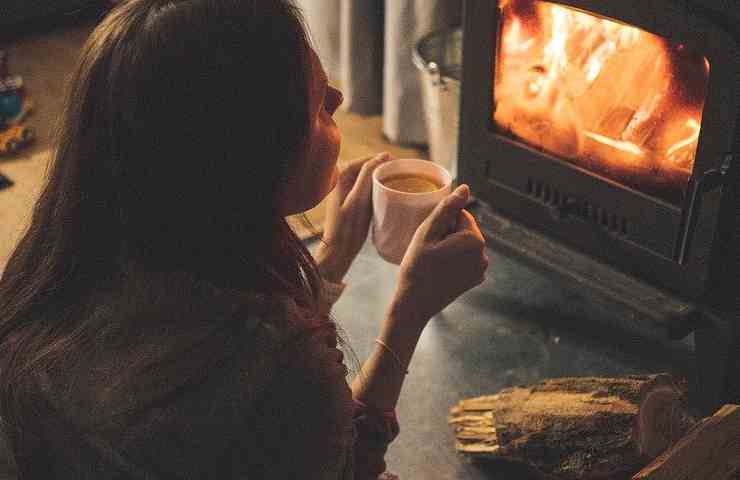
(366,45)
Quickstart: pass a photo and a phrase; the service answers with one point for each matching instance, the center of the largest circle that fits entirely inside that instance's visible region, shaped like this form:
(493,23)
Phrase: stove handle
(698,187)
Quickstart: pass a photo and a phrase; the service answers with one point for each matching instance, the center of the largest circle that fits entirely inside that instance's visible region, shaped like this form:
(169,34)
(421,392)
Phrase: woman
(160,319)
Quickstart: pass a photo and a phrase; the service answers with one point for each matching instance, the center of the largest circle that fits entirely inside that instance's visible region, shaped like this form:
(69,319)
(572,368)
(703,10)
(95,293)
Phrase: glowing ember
(615,99)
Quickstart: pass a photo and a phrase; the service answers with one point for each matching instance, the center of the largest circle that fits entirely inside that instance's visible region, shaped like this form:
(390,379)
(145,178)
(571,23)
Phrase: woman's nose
(335,100)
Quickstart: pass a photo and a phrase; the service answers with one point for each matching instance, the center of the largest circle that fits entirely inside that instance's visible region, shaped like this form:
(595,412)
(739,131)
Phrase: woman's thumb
(444,215)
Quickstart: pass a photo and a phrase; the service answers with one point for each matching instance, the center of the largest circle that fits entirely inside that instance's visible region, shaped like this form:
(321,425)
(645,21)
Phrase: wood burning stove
(608,132)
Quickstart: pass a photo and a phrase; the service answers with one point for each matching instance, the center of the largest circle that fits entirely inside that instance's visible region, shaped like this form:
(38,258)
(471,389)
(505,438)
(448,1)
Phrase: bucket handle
(436,74)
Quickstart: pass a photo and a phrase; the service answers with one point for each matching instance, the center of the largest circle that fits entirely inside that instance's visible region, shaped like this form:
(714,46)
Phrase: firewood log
(571,428)
(663,417)
(710,451)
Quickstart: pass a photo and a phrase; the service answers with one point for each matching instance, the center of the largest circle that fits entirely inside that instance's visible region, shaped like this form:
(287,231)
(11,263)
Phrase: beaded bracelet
(395,355)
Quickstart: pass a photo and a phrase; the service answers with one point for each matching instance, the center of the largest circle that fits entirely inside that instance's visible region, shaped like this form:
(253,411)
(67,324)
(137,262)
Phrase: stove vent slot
(570,205)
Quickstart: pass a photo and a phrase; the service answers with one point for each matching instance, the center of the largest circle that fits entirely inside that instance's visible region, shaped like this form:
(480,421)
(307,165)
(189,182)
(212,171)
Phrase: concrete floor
(516,328)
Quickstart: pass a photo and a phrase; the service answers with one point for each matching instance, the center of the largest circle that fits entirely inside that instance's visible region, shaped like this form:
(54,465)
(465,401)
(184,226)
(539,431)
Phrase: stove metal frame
(667,244)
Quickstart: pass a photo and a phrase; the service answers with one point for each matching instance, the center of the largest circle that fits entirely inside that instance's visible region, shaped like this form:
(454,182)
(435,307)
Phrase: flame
(692,124)
(512,38)
(619,145)
(608,96)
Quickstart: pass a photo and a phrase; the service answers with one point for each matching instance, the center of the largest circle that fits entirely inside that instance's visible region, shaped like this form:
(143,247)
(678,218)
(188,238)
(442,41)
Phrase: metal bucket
(438,56)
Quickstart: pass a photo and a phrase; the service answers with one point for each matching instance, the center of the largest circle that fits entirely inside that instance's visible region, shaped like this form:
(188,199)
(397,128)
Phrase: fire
(620,101)
(619,145)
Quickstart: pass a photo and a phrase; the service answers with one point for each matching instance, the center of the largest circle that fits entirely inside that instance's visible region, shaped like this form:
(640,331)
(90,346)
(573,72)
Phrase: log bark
(571,428)
(711,451)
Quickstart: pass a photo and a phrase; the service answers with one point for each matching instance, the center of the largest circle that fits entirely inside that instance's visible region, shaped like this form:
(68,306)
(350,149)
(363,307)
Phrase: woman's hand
(348,215)
(446,257)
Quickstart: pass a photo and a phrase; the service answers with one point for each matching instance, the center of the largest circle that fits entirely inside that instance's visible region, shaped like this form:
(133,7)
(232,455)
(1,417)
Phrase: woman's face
(316,173)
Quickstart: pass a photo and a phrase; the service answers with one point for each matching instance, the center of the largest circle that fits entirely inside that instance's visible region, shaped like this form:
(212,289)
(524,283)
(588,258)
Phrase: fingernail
(462,191)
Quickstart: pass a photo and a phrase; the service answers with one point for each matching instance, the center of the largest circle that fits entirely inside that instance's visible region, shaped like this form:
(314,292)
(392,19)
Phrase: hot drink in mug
(405,191)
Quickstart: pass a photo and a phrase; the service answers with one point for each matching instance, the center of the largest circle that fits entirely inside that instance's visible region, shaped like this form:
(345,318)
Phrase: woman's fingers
(350,170)
(445,214)
(363,183)
(466,221)
(468,237)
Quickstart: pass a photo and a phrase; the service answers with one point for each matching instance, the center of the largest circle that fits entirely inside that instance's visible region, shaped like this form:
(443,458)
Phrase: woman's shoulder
(178,300)
(157,326)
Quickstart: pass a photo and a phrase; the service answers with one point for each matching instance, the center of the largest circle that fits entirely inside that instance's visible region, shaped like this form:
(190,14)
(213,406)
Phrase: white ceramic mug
(396,214)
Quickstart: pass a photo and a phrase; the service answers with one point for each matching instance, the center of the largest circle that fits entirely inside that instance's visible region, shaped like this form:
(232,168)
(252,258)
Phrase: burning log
(610,98)
(574,428)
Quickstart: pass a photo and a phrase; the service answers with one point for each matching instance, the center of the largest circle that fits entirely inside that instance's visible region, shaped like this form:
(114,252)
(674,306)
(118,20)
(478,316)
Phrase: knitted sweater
(274,403)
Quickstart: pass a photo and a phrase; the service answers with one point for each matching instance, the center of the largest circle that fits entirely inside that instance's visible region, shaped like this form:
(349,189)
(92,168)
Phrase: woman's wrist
(333,264)
(388,364)
(402,321)
(404,312)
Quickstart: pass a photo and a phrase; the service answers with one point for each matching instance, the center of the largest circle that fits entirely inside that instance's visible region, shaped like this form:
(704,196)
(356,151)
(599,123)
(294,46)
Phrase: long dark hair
(181,122)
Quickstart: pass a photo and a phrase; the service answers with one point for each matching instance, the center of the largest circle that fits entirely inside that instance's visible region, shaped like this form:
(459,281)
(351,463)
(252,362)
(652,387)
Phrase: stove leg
(732,377)
(718,365)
